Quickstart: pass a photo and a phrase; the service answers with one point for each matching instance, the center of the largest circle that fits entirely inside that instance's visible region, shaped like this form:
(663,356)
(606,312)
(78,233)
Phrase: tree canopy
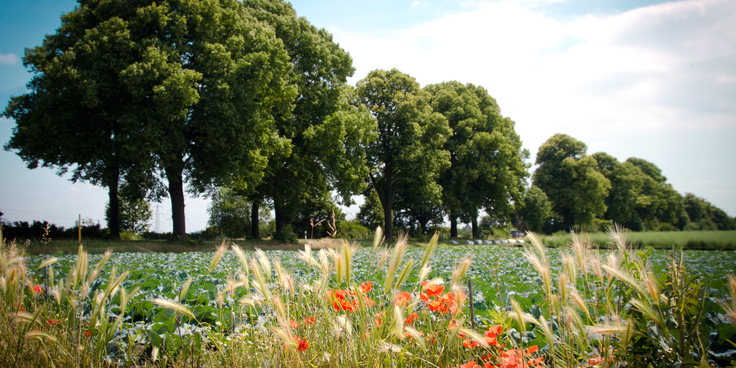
(323,130)
(188,89)
(571,180)
(487,161)
(408,153)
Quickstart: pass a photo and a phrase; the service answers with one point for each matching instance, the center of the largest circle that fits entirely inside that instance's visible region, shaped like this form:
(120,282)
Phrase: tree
(371,212)
(408,149)
(571,180)
(487,160)
(78,113)
(534,210)
(706,216)
(176,88)
(210,83)
(135,214)
(657,202)
(323,129)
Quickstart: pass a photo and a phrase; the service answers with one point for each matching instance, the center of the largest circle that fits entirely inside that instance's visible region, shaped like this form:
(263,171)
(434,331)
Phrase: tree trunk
(423,220)
(254,231)
(280,220)
(388,194)
(453,226)
(176,192)
(474,225)
(113,217)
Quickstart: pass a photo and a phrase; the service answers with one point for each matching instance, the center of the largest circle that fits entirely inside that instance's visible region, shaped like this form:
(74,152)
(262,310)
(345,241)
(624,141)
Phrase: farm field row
(225,304)
(700,240)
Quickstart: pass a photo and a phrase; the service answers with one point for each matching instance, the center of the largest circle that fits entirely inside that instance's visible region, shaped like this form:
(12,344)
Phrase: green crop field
(283,308)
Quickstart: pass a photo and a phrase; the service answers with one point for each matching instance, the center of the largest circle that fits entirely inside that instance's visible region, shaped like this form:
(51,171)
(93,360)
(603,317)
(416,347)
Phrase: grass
(349,307)
(699,240)
(696,240)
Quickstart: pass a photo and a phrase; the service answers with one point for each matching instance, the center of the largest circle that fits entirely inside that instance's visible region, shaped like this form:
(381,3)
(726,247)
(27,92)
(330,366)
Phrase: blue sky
(648,79)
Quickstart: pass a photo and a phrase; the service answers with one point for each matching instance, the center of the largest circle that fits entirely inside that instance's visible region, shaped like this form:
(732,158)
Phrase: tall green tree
(186,88)
(487,160)
(323,129)
(571,180)
(706,216)
(534,210)
(78,112)
(410,138)
(658,201)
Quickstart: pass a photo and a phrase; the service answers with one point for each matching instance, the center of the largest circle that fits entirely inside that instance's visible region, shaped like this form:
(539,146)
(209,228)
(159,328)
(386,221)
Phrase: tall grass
(598,310)
(703,240)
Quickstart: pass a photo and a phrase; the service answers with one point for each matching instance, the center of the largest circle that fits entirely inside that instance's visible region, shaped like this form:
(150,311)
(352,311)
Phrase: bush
(352,230)
(286,235)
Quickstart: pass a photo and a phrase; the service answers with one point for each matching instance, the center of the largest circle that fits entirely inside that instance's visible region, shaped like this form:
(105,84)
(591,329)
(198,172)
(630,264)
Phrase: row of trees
(571,188)
(249,97)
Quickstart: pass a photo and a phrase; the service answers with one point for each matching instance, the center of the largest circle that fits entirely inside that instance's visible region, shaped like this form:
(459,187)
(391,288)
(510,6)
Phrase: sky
(649,79)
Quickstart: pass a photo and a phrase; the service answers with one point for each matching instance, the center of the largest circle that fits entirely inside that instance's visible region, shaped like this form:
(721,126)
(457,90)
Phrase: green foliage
(353,230)
(487,161)
(135,215)
(371,213)
(571,180)
(286,235)
(534,211)
(325,133)
(230,213)
(190,88)
(705,216)
(408,153)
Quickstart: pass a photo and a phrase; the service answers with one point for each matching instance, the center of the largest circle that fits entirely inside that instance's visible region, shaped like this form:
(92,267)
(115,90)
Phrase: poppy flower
(412,317)
(366,287)
(432,288)
(87,333)
(471,364)
(470,343)
(453,324)
(308,321)
(595,361)
(38,289)
(301,344)
(294,324)
(402,298)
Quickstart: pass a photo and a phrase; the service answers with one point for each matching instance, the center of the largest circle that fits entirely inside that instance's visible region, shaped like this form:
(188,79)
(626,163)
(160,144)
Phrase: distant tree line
(247,103)
(572,189)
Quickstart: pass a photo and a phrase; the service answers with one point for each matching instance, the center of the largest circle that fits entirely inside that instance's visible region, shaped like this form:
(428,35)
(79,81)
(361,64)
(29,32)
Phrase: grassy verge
(699,240)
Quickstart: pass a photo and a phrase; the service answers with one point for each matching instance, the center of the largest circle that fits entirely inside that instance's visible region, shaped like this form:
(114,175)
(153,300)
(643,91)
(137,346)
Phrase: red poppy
(301,344)
(491,335)
(293,324)
(87,333)
(470,343)
(432,289)
(38,289)
(402,298)
(366,287)
(471,364)
(412,317)
(308,321)
(453,324)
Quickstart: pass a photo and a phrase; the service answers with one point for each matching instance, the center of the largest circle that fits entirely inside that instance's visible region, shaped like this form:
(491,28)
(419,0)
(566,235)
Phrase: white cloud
(9,58)
(660,71)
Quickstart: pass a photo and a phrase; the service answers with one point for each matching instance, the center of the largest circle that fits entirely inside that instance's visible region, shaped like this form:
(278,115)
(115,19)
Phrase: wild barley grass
(597,307)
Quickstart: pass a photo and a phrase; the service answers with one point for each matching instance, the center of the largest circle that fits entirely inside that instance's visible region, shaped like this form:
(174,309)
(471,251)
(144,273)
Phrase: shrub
(286,235)
(352,230)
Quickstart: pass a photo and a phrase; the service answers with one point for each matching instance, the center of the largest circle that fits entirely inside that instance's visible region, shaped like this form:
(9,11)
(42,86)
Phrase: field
(703,240)
(218,307)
